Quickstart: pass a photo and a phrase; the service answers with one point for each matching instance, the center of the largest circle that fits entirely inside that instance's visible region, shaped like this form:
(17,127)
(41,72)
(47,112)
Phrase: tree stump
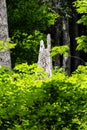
(44,59)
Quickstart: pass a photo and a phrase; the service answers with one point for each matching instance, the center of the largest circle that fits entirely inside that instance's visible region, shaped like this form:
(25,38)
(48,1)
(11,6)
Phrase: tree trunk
(66,41)
(57,43)
(75,60)
(5,58)
(55,4)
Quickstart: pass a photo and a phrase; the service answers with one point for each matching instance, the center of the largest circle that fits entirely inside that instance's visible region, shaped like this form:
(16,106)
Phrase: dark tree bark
(66,41)
(74,32)
(56,31)
(57,42)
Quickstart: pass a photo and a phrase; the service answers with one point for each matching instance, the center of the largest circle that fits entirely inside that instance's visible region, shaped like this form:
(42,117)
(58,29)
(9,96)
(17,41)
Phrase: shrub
(29,100)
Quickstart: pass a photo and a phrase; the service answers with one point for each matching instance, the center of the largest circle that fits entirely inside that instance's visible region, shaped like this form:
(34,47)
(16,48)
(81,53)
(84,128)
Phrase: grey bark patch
(5,58)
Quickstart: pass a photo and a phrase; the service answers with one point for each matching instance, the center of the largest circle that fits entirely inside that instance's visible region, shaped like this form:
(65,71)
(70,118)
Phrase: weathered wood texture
(44,59)
(5,58)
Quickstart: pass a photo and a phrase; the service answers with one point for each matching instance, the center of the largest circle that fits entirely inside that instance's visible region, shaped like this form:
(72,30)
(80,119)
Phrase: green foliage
(27,41)
(33,69)
(82,43)
(29,100)
(81,7)
(83,20)
(62,50)
(28,16)
(6,45)
(27,47)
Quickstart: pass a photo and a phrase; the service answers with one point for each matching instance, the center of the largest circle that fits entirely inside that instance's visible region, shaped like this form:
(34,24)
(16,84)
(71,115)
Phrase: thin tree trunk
(75,34)
(57,43)
(75,55)
(5,58)
(66,41)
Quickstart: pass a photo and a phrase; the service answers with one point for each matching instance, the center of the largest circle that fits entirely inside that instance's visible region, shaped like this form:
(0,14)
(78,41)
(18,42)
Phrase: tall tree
(5,58)
(65,31)
(62,36)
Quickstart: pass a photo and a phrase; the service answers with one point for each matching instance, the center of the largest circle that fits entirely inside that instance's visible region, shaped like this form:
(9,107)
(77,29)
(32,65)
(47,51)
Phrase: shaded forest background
(30,21)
